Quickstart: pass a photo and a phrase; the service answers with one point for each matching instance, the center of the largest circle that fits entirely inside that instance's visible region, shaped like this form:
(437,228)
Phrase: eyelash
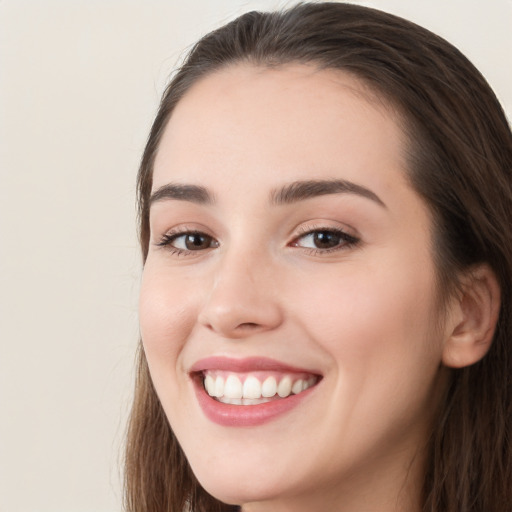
(168,238)
(346,241)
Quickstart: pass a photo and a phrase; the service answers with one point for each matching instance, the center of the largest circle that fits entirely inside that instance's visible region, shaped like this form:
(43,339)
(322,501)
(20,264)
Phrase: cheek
(371,317)
(385,355)
(165,316)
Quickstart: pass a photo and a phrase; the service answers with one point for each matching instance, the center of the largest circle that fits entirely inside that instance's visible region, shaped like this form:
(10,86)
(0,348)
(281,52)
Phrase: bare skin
(338,280)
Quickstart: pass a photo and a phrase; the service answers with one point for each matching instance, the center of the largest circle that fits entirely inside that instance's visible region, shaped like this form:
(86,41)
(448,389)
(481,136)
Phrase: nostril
(240,328)
(248,326)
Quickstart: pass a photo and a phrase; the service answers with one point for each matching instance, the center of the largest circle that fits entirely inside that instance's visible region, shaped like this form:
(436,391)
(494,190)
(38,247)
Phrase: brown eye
(196,241)
(188,241)
(325,240)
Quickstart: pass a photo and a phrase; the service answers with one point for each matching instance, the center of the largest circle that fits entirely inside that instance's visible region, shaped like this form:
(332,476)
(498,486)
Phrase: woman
(325,202)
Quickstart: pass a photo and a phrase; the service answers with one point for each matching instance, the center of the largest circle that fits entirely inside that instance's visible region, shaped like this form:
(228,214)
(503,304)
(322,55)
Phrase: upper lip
(247,364)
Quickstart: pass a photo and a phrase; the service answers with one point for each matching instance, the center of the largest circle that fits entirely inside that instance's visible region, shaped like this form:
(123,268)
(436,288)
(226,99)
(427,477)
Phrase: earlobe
(473,326)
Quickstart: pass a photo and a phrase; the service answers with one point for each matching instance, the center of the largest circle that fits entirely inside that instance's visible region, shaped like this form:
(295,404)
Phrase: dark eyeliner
(347,241)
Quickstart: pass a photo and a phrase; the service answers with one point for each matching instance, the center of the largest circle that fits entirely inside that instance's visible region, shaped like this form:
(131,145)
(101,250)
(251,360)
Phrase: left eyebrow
(301,190)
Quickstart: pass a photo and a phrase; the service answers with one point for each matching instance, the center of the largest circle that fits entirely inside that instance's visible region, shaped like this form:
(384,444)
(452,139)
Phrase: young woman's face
(290,273)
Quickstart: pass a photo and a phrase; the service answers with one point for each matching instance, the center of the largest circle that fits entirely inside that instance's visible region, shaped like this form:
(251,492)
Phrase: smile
(249,392)
(254,388)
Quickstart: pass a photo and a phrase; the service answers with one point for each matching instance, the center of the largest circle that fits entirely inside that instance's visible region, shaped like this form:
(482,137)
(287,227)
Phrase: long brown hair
(460,162)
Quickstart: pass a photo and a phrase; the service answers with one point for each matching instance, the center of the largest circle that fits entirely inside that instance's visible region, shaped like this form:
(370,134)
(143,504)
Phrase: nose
(243,299)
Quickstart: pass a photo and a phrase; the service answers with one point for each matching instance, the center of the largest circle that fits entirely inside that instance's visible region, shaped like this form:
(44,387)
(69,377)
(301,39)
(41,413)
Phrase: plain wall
(79,84)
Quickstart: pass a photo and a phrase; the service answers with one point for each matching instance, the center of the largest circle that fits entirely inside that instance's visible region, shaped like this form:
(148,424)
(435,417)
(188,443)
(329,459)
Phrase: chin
(234,489)
(253,477)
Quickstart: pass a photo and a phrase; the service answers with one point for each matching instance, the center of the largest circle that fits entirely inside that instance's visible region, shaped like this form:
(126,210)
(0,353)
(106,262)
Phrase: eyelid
(324,225)
(349,238)
(181,229)
(165,240)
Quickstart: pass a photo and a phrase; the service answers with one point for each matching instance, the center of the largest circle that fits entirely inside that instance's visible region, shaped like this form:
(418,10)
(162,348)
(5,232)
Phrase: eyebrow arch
(192,193)
(301,190)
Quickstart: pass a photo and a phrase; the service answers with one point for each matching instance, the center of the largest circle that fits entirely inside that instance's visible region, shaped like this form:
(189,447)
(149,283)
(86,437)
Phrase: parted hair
(459,151)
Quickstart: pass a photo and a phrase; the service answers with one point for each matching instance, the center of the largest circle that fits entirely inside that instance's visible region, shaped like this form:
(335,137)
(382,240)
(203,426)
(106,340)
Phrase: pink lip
(249,364)
(244,416)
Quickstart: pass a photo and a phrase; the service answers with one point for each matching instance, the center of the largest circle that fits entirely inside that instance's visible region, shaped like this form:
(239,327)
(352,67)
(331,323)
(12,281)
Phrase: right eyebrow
(192,193)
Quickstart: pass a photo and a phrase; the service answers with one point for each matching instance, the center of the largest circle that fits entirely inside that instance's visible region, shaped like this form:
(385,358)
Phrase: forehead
(293,119)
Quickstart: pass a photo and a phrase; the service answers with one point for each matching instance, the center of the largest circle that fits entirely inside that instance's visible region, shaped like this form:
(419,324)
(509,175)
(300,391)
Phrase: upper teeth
(233,386)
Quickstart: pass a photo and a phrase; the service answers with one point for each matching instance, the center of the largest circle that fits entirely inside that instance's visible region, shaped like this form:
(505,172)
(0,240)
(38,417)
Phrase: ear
(473,320)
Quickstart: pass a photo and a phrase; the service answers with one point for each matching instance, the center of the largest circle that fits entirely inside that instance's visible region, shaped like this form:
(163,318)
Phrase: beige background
(79,84)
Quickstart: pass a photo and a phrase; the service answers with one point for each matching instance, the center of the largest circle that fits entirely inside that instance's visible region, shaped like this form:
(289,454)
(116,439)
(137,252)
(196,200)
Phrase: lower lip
(229,415)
